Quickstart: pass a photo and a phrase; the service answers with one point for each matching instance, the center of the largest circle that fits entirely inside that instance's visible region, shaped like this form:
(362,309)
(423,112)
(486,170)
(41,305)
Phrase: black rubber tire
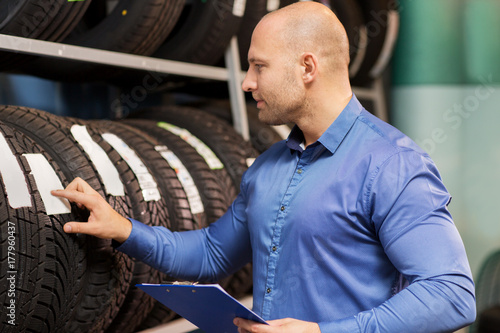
(137,304)
(375,13)
(215,196)
(48,266)
(216,199)
(50,20)
(229,146)
(178,209)
(109,271)
(202,33)
(140,31)
(132,27)
(171,190)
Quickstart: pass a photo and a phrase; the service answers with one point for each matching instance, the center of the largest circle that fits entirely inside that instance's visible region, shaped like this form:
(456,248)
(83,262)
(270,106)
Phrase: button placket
(280,222)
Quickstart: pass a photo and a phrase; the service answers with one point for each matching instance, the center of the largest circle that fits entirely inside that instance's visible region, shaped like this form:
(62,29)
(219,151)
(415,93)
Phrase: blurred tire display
(177,166)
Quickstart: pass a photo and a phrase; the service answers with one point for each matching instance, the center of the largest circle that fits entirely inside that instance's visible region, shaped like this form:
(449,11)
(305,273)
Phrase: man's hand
(287,325)
(104,221)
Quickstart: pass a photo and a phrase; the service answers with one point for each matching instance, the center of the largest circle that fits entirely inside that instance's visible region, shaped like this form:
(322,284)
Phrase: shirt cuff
(140,243)
(346,325)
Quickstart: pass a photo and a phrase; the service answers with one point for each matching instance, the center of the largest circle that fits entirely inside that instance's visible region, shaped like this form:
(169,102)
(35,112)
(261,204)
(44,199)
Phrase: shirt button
(274,248)
(282,208)
(268,290)
(300,171)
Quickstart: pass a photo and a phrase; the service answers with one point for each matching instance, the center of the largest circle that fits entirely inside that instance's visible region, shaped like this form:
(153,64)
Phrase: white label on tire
(16,187)
(101,161)
(47,180)
(185,178)
(273,5)
(239,7)
(213,162)
(146,181)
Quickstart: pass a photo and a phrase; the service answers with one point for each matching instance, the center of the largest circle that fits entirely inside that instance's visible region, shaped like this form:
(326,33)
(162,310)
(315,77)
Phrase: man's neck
(321,117)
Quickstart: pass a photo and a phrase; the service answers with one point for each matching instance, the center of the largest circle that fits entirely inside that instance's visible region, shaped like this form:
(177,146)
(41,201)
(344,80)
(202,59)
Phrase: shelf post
(236,94)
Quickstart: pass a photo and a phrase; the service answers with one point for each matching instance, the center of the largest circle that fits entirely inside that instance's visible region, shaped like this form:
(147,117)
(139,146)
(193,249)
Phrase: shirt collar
(335,133)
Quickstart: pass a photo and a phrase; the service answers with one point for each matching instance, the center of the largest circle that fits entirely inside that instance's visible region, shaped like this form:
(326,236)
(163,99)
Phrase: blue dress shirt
(352,233)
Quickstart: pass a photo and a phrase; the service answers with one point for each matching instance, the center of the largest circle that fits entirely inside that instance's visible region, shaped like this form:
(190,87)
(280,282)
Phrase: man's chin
(264,118)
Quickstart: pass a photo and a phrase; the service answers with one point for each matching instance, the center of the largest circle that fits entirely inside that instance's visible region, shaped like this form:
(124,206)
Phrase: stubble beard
(284,104)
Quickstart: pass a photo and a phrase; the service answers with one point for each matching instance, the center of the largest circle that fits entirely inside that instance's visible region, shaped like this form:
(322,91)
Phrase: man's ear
(309,63)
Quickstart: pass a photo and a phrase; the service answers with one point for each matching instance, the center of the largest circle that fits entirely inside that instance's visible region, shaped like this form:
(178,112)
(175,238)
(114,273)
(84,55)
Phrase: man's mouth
(260,103)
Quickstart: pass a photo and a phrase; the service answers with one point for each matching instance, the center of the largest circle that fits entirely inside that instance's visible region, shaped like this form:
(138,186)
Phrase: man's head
(296,52)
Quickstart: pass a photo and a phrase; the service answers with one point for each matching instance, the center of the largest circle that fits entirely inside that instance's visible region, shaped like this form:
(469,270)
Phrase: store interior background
(444,93)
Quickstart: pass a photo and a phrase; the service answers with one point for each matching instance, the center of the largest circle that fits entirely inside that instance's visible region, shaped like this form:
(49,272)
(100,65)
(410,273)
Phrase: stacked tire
(191,31)
(154,170)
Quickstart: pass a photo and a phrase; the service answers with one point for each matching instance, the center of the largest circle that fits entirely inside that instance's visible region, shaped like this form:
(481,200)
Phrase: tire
(203,32)
(171,190)
(46,266)
(135,27)
(108,272)
(220,137)
(50,20)
(381,37)
(178,209)
(215,198)
(136,305)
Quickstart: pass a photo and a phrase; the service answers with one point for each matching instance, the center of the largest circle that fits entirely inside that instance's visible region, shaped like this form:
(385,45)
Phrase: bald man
(346,222)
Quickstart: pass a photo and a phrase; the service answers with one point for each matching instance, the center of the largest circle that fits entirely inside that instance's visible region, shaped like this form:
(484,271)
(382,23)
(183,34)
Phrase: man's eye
(258,67)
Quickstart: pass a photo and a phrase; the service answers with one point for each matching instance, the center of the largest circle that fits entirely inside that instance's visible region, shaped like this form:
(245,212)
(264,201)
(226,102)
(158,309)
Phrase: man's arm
(198,255)
(407,204)
(202,255)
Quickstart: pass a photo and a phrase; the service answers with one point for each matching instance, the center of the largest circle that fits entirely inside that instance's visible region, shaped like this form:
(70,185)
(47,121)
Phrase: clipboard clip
(183,283)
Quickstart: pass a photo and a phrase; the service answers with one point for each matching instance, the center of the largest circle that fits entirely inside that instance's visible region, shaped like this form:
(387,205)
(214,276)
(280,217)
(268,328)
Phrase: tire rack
(232,73)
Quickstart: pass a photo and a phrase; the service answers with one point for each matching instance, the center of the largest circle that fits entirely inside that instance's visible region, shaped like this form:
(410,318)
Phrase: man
(346,222)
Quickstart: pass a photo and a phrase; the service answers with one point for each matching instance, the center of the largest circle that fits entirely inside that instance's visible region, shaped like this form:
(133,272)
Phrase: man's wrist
(124,230)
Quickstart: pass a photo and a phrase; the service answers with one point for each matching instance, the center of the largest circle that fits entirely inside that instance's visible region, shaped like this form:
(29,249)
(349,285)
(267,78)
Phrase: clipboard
(208,306)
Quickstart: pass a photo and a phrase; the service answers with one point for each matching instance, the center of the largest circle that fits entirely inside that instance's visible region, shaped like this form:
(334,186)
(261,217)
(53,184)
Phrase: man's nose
(249,84)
